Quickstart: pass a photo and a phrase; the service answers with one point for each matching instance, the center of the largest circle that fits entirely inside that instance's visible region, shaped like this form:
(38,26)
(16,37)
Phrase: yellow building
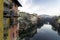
(6,20)
(1,20)
(6,28)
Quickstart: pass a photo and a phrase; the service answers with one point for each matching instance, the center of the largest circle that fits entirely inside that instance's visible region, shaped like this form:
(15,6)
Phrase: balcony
(10,14)
(6,26)
(6,12)
(14,14)
(7,16)
(5,35)
(6,23)
(6,2)
(13,21)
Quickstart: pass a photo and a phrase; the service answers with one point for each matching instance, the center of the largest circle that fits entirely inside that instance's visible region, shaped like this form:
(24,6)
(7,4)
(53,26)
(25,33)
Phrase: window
(13,35)
(4,20)
(11,21)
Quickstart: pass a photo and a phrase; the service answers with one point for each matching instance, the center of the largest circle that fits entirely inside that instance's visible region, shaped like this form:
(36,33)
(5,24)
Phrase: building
(6,19)
(1,19)
(10,19)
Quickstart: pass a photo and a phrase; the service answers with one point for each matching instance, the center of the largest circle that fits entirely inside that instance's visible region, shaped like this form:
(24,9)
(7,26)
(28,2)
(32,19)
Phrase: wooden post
(1,19)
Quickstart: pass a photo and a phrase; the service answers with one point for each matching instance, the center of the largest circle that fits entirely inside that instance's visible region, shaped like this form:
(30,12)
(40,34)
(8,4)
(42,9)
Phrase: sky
(48,7)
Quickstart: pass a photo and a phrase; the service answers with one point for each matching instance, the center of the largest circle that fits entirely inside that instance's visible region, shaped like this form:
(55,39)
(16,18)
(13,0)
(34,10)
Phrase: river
(44,32)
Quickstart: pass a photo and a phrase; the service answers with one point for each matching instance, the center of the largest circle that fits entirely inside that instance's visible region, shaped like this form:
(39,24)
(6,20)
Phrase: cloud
(50,7)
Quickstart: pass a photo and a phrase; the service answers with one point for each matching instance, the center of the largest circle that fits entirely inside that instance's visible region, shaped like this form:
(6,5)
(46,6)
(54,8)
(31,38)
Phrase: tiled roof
(17,2)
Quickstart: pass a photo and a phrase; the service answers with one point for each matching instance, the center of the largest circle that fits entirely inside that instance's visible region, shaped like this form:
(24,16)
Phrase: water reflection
(43,31)
(56,29)
(46,33)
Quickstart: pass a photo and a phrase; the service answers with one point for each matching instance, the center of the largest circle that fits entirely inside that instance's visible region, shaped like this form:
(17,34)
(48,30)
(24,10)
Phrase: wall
(1,20)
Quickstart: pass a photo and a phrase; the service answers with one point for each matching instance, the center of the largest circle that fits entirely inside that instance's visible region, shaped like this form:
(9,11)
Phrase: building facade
(1,19)
(10,19)
(6,19)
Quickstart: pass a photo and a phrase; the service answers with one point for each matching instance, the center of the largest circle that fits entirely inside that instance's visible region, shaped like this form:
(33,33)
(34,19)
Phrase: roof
(17,2)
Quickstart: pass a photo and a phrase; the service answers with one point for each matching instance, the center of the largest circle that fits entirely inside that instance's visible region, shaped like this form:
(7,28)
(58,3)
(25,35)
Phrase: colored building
(6,15)
(10,19)
(13,20)
(1,19)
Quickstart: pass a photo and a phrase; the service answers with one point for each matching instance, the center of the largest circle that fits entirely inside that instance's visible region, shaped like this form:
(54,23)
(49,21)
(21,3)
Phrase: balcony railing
(6,26)
(7,16)
(6,2)
(13,14)
(6,9)
(10,14)
(12,22)
(5,35)
(6,12)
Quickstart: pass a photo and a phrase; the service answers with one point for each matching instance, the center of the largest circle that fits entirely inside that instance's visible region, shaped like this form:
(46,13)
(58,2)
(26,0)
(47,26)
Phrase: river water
(45,32)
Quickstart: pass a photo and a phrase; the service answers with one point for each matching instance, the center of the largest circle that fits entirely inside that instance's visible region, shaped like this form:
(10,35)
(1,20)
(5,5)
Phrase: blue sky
(49,7)
(43,2)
